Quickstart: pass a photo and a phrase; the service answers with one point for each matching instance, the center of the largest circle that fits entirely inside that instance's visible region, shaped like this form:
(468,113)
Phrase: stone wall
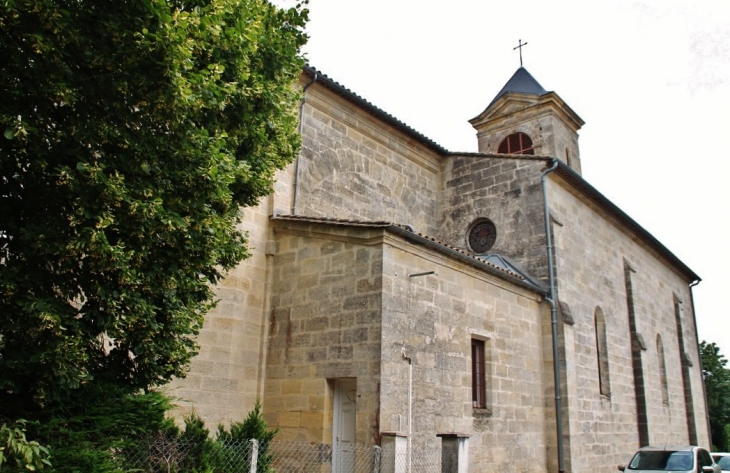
(324,325)
(434,317)
(591,251)
(504,190)
(354,166)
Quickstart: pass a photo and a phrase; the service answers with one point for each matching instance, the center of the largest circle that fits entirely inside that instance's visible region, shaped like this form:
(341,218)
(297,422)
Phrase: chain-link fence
(160,454)
(423,460)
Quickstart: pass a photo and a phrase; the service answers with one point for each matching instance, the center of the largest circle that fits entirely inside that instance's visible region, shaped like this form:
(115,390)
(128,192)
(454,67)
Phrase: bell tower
(524,118)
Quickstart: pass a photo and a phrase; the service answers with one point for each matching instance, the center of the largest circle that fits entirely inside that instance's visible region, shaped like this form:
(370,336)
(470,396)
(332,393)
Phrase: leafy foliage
(132,132)
(85,433)
(29,455)
(201,451)
(253,427)
(122,432)
(717,387)
(193,450)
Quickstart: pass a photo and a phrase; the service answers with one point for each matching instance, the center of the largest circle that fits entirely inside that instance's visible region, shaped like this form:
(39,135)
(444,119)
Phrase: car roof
(687,448)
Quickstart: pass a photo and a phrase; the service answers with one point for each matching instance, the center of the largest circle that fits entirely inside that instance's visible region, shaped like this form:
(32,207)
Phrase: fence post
(254,455)
(376,459)
(454,452)
(394,453)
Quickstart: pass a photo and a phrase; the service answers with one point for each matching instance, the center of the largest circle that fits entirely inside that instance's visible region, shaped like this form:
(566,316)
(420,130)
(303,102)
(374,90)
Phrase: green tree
(132,132)
(717,387)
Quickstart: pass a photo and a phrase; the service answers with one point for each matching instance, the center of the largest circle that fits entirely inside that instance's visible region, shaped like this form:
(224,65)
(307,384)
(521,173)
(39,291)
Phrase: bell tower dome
(524,118)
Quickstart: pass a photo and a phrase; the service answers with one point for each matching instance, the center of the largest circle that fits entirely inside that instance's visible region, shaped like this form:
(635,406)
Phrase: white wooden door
(343,430)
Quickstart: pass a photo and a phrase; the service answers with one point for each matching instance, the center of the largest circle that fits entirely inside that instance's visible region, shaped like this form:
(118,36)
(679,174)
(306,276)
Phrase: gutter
(699,358)
(553,319)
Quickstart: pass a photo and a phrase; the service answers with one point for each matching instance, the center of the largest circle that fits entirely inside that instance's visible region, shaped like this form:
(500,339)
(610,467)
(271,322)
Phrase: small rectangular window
(478,378)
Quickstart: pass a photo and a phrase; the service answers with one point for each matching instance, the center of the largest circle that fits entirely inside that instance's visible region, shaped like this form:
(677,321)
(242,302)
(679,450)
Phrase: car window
(662,460)
(724,462)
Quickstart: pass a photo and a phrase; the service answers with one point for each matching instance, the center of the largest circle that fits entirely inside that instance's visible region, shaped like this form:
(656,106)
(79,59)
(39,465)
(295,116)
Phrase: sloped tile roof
(408,232)
(351,96)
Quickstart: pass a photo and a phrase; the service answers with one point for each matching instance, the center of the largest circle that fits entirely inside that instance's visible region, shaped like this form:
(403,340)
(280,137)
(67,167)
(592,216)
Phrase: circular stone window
(481,236)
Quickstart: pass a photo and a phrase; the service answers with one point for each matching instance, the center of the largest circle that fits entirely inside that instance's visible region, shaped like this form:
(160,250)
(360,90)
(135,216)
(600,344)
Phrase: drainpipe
(553,318)
(301,120)
(410,403)
(699,358)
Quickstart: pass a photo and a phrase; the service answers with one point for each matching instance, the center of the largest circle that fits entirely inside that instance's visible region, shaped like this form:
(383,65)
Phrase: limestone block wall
(434,316)
(506,191)
(324,324)
(591,251)
(354,166)
(225,378)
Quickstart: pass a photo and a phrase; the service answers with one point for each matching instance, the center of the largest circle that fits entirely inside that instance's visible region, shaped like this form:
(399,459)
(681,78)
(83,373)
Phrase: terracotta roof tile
(405,230)
(325,80)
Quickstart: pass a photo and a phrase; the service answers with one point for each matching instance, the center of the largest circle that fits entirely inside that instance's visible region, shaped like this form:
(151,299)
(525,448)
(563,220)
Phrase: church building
(402,294)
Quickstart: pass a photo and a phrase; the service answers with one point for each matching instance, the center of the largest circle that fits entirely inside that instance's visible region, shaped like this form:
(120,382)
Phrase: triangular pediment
(507,104)
(522,92)
(512,104)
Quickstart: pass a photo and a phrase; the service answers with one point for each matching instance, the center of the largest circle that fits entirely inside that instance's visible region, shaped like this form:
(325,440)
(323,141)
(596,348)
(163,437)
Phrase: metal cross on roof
(519,46)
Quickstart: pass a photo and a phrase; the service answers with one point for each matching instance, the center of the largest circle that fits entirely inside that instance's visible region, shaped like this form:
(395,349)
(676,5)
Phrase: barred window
(478,378)
(516,143)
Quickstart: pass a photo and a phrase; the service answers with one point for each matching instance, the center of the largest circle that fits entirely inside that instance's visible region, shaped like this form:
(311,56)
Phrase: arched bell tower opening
(516,143)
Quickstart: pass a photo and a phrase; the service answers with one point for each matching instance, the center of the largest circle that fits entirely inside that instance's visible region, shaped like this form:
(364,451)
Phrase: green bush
(105,430)
(193,450)
(253,427)
(87,433)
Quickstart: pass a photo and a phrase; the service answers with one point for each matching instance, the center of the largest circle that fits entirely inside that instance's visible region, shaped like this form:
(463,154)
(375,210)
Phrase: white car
(675,459)
(722,459)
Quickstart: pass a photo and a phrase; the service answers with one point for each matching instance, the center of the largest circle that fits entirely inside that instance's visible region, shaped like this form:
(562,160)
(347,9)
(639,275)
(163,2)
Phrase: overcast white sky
(651,79)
